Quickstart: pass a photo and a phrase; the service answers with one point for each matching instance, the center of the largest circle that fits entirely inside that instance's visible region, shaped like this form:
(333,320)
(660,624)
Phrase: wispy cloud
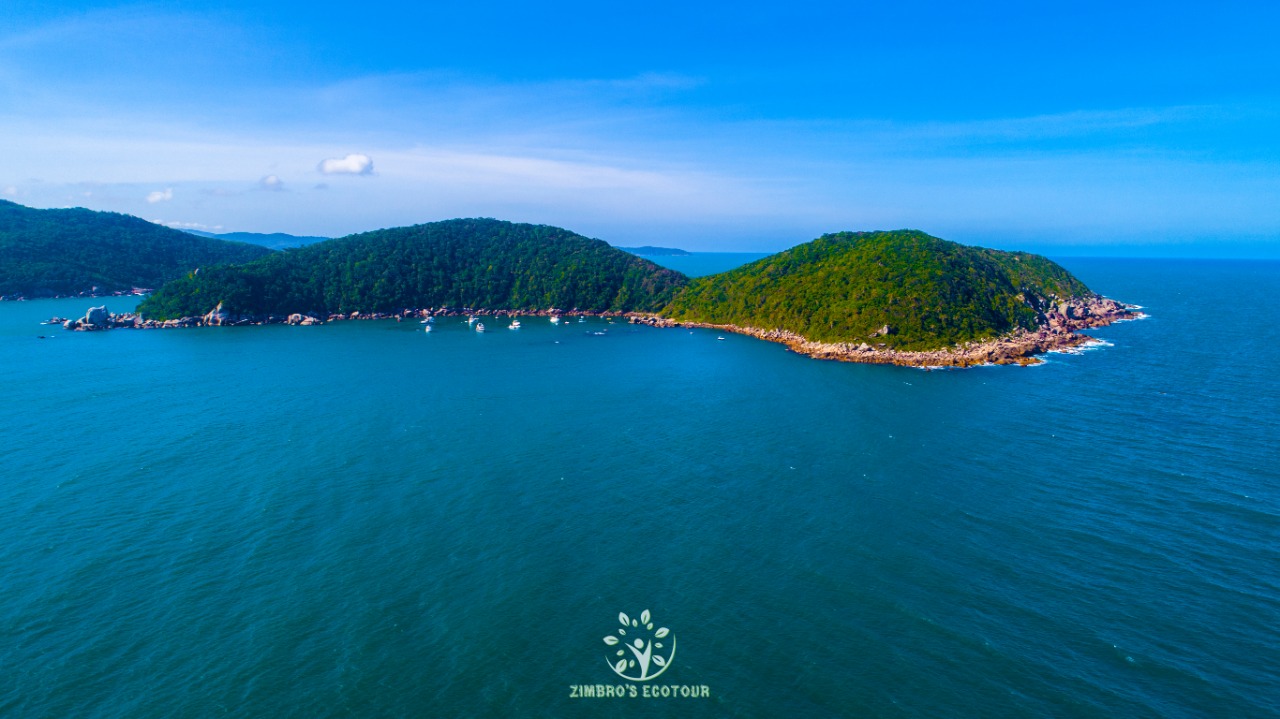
(271,183)
(160,195)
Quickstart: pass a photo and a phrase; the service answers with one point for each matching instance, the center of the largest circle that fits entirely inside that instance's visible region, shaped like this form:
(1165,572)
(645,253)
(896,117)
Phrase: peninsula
(901,297)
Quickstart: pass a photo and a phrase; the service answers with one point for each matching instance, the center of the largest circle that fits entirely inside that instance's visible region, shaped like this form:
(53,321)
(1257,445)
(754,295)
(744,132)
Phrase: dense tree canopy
(844,287)
(472,263)
(45,253)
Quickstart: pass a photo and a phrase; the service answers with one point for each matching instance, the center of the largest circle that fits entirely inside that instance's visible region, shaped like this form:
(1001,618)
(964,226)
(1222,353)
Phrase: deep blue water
(364,520)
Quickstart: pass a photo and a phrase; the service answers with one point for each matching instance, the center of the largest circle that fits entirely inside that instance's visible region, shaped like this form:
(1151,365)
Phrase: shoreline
(99,318)
(1057,329)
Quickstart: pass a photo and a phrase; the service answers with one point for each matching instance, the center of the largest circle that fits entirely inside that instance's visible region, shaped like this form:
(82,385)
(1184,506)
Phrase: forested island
(78,252)
(900,297)
(651,251)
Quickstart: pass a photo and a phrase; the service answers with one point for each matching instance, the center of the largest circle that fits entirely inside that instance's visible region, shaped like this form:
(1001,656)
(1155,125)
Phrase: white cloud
(187,225)
(160,195)
(349,165)
(9,191)
(271,182)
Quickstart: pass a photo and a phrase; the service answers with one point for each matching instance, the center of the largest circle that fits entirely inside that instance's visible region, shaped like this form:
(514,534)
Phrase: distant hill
(651,251)
(274,240)
(849,286)
(476,263)
(47,253)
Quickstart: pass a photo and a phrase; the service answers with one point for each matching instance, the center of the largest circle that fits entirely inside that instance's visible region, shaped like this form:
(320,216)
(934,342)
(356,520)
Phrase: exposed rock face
(217,316)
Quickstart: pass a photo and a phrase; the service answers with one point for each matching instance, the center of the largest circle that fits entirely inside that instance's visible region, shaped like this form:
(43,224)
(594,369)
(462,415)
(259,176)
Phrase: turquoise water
(361,519)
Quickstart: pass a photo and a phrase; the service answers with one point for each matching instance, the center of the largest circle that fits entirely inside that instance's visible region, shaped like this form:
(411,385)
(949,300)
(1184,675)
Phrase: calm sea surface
(365,520)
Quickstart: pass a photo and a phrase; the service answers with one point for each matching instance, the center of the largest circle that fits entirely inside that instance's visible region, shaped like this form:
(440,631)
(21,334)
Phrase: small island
(651,251)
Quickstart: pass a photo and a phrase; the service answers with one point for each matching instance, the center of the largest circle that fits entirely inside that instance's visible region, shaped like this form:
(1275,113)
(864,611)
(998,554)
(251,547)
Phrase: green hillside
(45,253)
(478,263)
(844,287)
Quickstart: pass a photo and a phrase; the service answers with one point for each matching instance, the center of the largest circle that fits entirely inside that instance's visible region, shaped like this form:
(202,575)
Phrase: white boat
(555,319)
(479,327)
(427,328)
(515,325)
(471,319)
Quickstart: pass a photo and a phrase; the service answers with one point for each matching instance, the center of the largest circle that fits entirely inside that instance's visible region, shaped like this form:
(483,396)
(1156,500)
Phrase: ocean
(365,520)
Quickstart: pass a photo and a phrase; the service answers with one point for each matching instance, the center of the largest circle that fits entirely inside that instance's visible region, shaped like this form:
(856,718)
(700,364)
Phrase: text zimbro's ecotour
(663,691)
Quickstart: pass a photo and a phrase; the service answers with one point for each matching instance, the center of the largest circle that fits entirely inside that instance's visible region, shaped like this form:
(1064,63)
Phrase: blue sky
(1068,128)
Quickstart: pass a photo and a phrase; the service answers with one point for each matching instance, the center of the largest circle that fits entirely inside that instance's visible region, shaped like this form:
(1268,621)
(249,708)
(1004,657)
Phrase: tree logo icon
(640,648)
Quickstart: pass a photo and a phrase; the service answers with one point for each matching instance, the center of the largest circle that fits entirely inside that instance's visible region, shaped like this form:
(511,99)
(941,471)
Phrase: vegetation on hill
(45,253)
(847,287)
(472,263)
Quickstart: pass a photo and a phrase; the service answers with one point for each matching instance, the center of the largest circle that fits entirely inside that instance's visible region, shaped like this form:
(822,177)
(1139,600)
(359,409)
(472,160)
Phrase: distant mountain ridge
(274,240)
(48,253)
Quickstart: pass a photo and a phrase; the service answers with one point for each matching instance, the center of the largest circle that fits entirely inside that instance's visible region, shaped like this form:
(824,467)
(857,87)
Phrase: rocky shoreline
(1057,329)
(98,318)
(1058,325)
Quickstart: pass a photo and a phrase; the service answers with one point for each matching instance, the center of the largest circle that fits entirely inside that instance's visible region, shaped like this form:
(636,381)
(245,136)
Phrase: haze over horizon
(1090,129)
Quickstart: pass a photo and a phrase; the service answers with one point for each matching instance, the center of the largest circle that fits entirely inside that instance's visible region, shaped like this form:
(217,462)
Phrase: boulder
(97,316)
